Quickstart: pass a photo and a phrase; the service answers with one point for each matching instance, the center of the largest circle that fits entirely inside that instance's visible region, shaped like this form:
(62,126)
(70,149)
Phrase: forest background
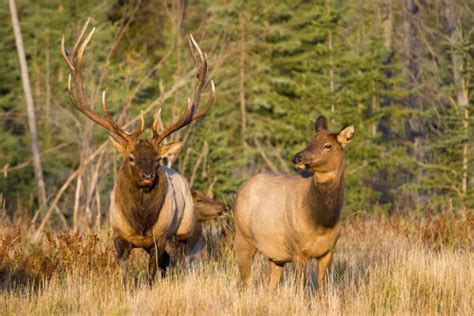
(401,71)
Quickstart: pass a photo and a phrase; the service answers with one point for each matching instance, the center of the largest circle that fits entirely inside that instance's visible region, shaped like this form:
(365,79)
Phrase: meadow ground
(382,265)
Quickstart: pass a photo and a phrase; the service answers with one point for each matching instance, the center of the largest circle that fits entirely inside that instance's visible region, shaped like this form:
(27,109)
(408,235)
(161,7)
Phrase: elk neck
(141,206)
(326,197)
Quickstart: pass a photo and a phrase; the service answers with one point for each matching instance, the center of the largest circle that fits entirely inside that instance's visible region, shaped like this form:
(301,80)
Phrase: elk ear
(169,149)
(320,124)
(345,135)
(119,144)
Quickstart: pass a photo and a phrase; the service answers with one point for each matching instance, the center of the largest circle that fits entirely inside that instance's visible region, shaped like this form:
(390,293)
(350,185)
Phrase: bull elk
(150,203)
(294,218)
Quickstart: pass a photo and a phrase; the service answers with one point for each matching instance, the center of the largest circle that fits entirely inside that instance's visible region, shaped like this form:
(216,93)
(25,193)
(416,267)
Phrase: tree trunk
(179,7)
(243,112)
(462,97)
(331,76)
(29,106)
(386,17)
(413,127)
(387,22)
(411,43)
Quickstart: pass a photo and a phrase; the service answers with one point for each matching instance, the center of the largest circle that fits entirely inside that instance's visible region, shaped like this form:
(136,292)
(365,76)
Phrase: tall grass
(381,266)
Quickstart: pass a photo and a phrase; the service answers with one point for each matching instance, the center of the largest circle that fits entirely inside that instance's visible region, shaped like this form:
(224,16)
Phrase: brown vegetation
(383,265)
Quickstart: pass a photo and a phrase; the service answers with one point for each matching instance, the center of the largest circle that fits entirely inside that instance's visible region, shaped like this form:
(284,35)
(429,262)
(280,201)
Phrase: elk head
(142,157)
(325,152)
(207,208)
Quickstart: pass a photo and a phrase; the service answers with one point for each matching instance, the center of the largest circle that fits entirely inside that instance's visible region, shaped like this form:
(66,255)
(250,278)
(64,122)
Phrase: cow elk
(205,209)
(193,249)
(294,218)
(150,203)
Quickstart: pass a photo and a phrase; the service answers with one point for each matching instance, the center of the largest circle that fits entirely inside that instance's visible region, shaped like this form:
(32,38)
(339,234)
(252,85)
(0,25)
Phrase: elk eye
(131,158)
(327,146)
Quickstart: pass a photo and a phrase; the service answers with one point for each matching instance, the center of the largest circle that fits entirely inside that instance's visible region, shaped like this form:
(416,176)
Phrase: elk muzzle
(147,177)
(298,161)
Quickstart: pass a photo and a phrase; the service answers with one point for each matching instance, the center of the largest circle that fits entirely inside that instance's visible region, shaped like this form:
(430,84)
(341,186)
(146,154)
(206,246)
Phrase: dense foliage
(385,66)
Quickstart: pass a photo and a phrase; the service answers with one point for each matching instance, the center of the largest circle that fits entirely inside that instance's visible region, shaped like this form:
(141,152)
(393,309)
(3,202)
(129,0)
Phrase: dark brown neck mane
(326,199)
(141,206)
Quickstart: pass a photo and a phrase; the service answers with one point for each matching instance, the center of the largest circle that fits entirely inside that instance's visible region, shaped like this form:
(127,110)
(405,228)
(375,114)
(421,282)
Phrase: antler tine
(210,101)
(133,135)
(154,127)
(108,117)
(200,59)
(202,70)
(191,113)
(80,35)
(82,48)
(139,131)
(78,96)
(69,56)
(77,73)
(75,66)
(65,56)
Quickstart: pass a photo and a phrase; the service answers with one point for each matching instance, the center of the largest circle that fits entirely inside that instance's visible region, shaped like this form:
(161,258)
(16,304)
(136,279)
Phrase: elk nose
(147,176)
(297,159)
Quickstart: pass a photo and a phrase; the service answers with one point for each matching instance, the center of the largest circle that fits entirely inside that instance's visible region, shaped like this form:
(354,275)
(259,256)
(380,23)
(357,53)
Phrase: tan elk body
(150,203)
(294,218)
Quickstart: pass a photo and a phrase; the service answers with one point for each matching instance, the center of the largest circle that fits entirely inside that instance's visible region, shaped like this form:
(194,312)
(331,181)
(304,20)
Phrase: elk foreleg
(275,271)
(299,267)
(324,263)
(122,252)
(159,258)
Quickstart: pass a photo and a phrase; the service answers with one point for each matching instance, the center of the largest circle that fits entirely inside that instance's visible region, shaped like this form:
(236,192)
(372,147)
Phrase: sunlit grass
(378,269)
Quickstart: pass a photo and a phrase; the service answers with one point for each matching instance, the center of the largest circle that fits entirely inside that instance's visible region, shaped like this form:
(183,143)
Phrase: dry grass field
(400,265)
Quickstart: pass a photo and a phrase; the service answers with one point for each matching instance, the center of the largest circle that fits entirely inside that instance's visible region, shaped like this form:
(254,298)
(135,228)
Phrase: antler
(73,59)
(191,113)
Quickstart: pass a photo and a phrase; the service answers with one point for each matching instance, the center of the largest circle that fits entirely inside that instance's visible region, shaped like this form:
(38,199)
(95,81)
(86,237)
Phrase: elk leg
(275,271)
(324,263)
(159,258)
(300,272)
(122,252)
(153,262)
(164,262)
(173,248)
(245,252)
(195,245)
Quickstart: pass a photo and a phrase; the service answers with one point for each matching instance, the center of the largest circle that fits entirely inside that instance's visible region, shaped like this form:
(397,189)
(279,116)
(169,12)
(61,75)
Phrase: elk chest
(319,242)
